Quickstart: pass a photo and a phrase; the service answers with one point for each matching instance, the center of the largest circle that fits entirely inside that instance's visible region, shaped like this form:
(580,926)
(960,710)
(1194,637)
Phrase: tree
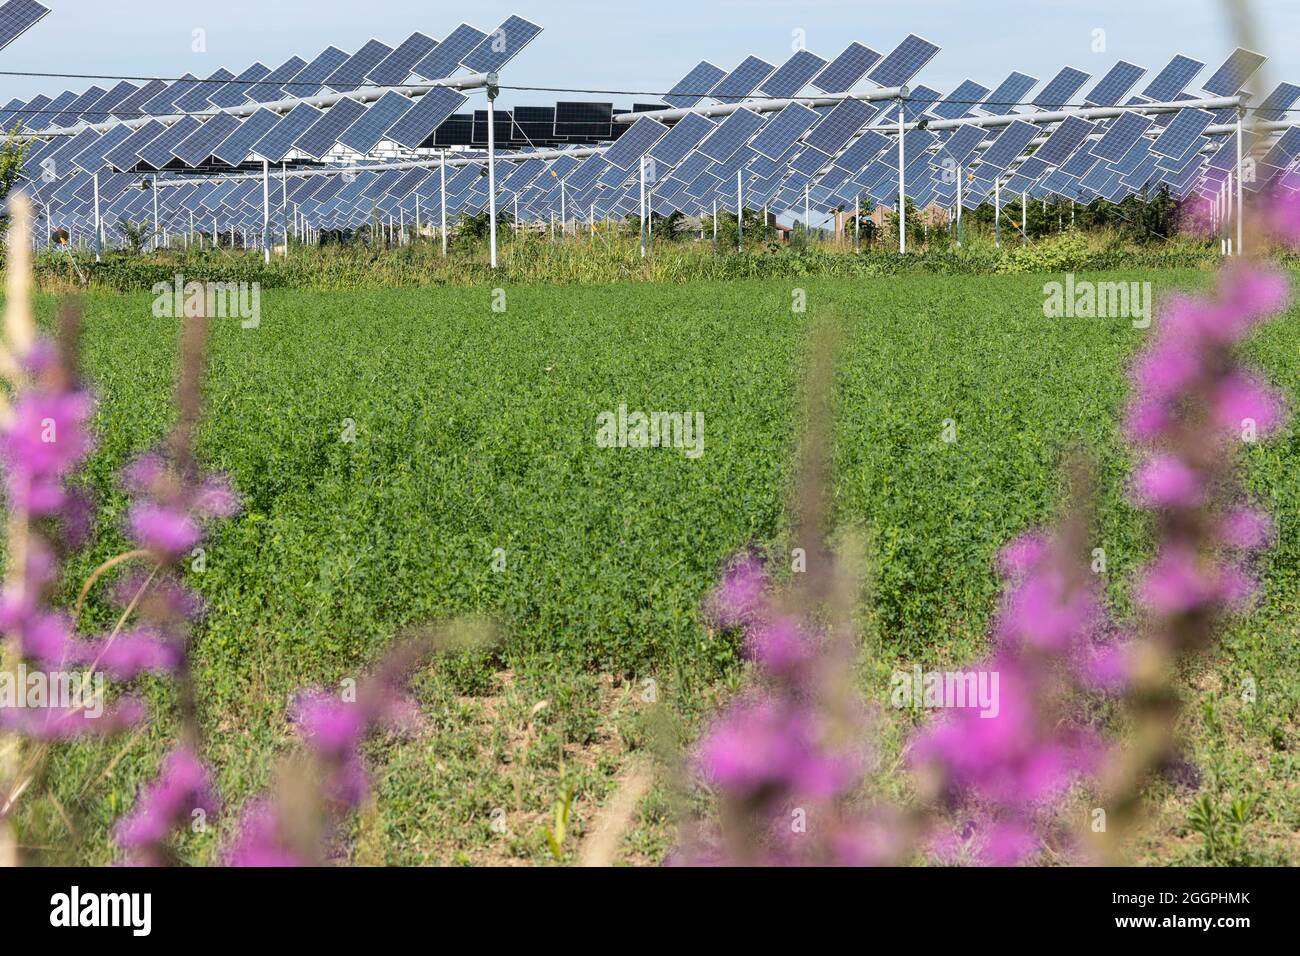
(12,153)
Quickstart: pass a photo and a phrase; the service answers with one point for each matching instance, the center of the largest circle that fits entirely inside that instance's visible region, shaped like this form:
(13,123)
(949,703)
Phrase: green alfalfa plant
(556,835)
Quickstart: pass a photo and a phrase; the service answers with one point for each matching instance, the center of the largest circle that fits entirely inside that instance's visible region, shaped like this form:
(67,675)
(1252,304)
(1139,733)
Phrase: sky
(592,45)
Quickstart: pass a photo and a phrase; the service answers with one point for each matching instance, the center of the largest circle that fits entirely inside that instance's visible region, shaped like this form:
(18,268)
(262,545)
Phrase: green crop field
(412,456)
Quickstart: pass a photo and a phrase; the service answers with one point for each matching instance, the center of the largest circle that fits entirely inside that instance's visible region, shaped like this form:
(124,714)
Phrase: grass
(387,442)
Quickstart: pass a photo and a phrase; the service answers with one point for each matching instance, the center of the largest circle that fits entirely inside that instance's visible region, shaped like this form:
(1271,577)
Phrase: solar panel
(158,151)
(1116,84)
(502,45)
(429,112)
(584,120)
(1121,136)
(363,135)
(129,107)
(905,62)
(320,138)
(784,129)
(1056,94)
(681,139)
(961,101)
(840,125)
(272,87)
(918,101)
(235,93)
(17,17)
(446,56)
(199,145)
(198,98)
(167,97)
(695,85)
(845,70)
(742,81)
(870,145)
(795,74)
(72,112)
(1011,142)
(352,74)
(1173,79)
(458,130)
(234,149)
(1276,104)
(1235,72)
(810,162)
(91,159)
(277,143)
(1064,140)
(101,110)
(635,143)
(398,66)
(731,134)
(1011,91)
(1285,150)
(309,80)
(1181,135)
(124,156)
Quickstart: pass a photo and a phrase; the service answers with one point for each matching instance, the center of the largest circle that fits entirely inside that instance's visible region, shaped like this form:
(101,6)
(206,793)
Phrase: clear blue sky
(644,46)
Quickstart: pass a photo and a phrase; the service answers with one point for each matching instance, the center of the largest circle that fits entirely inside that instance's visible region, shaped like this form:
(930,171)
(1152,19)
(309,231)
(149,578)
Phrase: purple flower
(1240,397)
(1246,529)
(182,787)
(260,843)
(740,593)
(1166,482)
(168,531)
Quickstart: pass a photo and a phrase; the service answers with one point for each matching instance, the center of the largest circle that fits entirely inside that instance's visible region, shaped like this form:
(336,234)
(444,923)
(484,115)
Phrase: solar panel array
(825,154)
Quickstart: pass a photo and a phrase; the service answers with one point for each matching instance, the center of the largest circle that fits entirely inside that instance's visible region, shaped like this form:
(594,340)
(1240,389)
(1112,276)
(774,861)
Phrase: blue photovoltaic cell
(198,146)
(72,112)
(1115,85)
(1121,136)
(691,167)
(681,139)
(694,86)
(1182,134)
(162,103)
(783,130)
(1234,74)
(123,156)
(17,17)
(234,149)
(1285,150)
(905,62)
(742,81)
(272,87)
(840,125)
(795,74)
(309,80)
(199,98)
(430,112)
(1011,142)
(363,135)
(1173,79)
(397,68)
(961,101)
(845,70)
(860,154)
(962,143)
(1011,91)
(1082,161)
(1033,167)
(353,73)
(158,151)
(501,45)
(277,143)
(102,109)
(918,101)
(91,159)
(1275,105)
(320,139)
(235,93)
(731,134)
(1056,94)
(1064,140)
(635,143)
(446,56)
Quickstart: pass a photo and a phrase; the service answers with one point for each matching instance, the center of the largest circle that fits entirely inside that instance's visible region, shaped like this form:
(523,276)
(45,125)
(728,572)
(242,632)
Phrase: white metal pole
(564,210)
(266,211)
(643,207)
(1241,206)
(997,211)
(857,225)
(1024,215)
(959,206)
(154,184)
(442,195)
(492,178)
(902,185)
(99,229)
